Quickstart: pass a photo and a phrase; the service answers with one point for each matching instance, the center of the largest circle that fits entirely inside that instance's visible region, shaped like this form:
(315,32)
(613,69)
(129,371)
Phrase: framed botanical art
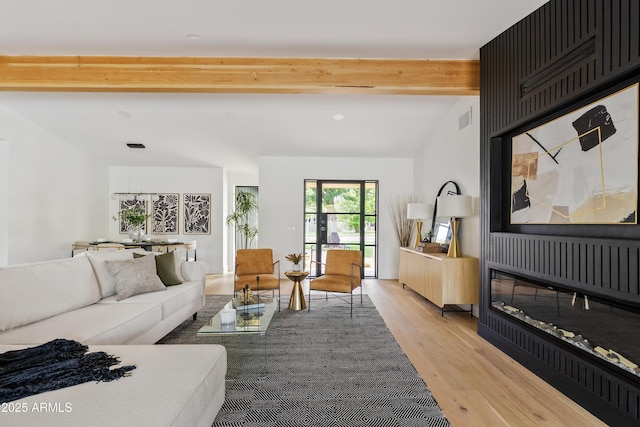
(165,214)
(140,205)
(197,213)
(581,168)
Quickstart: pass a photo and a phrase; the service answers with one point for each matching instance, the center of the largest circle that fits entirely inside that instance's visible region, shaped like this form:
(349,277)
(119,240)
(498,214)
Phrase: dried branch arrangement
(402,226)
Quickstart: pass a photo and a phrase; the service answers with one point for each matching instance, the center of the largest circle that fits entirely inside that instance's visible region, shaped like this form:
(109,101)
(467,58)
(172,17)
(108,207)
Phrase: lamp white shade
(455,205)
(418,211)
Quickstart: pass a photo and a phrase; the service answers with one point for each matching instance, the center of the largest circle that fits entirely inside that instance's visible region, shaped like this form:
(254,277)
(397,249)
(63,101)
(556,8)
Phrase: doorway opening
(340,215)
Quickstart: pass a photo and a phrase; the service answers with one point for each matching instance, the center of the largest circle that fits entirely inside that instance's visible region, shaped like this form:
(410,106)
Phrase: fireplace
(604,331)
(561,295)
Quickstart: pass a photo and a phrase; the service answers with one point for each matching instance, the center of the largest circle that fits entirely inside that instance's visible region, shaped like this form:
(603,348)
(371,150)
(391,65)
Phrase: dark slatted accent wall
(607,269)
(558,53)
(562,54)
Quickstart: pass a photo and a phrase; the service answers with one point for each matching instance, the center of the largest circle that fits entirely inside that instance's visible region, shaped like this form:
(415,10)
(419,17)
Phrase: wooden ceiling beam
(239,75)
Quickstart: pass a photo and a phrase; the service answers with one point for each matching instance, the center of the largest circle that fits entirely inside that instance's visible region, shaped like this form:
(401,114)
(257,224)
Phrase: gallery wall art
(165,214)
(197,213)
(140,205)
(581,168)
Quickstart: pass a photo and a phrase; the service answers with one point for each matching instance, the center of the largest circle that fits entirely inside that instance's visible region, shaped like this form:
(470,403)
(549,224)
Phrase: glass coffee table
(245,339)
(254,321)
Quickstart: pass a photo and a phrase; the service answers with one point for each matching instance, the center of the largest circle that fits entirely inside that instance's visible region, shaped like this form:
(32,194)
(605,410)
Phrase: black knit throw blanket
(57,364)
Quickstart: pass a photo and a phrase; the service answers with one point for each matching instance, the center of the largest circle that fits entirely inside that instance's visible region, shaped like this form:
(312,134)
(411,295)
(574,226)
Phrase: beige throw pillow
(135,276)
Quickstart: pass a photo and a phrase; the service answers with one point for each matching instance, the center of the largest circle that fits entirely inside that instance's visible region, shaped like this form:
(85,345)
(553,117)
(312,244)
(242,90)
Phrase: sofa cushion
(172,386)
(105,279)
(174,298)
(93,324)
(165,267)
(135,276)
(36,291)
(179,256)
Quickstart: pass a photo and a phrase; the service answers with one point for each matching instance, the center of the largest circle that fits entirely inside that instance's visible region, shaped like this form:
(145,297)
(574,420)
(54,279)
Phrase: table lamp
(455,206)
(418,211)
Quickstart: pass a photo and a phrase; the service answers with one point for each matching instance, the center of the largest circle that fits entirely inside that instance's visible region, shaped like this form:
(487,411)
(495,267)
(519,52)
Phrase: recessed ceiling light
(193,36)
(125,114)
(338,117)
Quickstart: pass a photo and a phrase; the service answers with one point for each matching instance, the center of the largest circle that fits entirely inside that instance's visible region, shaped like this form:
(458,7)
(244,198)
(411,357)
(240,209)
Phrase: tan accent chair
(342,274)
(256,268)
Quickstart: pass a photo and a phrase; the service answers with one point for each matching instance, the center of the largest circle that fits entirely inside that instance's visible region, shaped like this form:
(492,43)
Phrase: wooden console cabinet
(441,280)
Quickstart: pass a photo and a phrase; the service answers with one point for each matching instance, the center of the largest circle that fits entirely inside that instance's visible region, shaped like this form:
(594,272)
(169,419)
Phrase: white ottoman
(172,385)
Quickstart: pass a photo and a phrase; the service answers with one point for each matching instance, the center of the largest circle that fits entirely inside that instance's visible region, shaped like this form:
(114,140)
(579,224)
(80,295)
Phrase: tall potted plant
(246,205)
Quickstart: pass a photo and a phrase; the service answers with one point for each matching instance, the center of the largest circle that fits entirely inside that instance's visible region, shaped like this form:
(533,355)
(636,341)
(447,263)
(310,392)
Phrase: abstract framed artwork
(165,214)
(581,168)
(140,205)
(197,213)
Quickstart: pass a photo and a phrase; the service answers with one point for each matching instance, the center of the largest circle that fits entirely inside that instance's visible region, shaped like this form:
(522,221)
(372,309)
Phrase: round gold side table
(297,301)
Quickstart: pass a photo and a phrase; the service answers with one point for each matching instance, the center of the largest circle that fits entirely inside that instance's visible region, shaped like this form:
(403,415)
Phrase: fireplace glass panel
(606,330)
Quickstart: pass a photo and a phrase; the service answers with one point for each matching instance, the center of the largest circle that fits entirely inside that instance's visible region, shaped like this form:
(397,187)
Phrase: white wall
(4,202)
(56,195)
(452,154)
(176,180)
(282,199)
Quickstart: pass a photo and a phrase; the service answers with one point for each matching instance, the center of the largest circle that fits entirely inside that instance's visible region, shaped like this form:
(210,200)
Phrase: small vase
(136,234)
(296,267)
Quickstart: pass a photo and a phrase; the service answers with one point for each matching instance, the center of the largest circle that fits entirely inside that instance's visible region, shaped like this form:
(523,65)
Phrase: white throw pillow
(135,276)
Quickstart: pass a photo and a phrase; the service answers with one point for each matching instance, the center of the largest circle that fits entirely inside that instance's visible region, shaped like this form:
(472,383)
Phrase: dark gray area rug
(318,368)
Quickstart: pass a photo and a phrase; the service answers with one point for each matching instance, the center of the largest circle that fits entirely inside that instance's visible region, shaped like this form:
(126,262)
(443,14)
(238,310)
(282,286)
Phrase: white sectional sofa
(76,299)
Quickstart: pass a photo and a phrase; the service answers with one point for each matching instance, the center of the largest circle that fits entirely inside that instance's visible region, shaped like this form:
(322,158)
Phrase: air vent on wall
(135,145)
(465,119)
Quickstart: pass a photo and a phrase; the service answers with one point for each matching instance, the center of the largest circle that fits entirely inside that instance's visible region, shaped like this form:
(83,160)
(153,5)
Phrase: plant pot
(295,267)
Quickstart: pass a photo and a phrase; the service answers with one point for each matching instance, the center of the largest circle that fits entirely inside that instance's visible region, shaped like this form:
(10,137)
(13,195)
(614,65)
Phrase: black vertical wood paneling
(529,72)
(542,40)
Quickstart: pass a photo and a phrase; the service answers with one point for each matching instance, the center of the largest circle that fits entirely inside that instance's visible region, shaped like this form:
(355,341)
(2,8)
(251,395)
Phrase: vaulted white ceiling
(231,130)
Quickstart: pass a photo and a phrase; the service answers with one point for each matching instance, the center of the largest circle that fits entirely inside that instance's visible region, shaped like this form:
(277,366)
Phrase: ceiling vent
(465,119)
(135,145)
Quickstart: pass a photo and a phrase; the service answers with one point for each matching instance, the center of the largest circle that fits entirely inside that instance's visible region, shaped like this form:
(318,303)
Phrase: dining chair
(109,246)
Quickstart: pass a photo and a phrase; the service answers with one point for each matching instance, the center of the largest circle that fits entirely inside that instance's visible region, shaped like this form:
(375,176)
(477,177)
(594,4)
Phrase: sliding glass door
(340,215)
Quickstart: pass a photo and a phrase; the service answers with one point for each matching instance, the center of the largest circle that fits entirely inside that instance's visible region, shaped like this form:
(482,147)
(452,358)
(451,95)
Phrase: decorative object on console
(295,259)
(455,206)
(418,212)
(133,218)
(401,224)
(197,213)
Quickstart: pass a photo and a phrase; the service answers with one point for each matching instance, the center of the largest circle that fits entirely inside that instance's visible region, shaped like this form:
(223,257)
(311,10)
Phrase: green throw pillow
(165,267)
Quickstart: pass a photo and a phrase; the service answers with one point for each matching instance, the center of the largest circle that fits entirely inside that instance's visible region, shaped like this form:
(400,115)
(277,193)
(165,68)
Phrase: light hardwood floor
(474,383)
